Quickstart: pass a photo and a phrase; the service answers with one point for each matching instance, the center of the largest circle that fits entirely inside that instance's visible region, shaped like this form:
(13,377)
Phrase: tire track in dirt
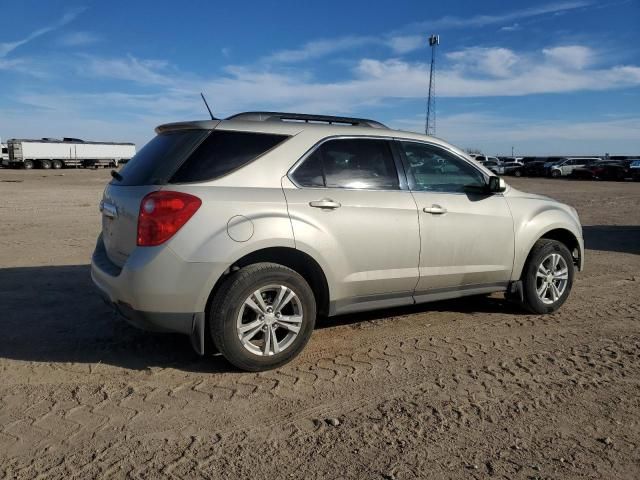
(498,391)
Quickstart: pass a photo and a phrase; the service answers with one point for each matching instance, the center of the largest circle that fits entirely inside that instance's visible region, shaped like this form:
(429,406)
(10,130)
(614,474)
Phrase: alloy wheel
(552,278)
(269,320)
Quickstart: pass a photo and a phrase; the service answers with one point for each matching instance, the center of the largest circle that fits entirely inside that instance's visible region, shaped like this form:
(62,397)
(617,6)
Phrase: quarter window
(223,152)
(349,163)
(436,170)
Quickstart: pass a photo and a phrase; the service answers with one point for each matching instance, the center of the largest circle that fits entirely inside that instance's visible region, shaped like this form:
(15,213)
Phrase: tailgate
(120,207)
(146,172)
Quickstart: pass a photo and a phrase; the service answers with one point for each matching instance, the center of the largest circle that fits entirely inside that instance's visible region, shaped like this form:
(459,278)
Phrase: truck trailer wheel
(27,164)
(45,164)
(56,164)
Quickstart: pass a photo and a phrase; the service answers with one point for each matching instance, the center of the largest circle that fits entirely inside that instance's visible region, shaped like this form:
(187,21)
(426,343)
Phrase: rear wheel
(27,164)
(56,164)
(517,173)
(262,316)
(45,164)
(548,276)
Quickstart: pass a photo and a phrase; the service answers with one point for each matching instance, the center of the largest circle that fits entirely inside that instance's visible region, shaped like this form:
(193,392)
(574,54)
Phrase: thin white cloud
(498,62)
(146,72)
(511,28)
(24,66)
(405,43)
(319,48)
(474,72)
(401,42)
(574,56)
(78,39)
(486,20)
(8,47)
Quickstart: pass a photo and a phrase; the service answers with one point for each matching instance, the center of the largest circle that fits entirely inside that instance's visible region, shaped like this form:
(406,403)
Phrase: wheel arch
(563,235)
(295,259)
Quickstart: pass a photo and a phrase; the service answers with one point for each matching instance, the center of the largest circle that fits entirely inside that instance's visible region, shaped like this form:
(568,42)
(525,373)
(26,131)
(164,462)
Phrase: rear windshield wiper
(117,175)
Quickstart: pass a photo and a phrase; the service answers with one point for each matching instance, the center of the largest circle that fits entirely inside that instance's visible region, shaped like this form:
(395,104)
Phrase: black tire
(56,164)
(229,299)
(27,164)
(555,174)
(541,250)
(45,164)
(517,173)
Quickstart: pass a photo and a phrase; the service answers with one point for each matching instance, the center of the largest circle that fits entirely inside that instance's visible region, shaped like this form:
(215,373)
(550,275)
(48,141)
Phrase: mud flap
(515,291)
(198,332)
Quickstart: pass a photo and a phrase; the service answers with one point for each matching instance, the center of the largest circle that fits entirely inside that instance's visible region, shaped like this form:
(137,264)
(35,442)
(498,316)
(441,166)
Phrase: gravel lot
(460,389)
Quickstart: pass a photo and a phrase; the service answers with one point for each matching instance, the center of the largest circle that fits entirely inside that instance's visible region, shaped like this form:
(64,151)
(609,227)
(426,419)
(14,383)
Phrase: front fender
(531,224)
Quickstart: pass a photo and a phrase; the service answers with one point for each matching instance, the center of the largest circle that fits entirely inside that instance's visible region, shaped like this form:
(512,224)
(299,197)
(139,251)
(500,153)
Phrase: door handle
(435,209)
(325,203)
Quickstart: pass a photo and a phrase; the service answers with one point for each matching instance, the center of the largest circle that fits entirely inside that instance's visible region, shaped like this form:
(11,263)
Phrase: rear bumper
(151,321)
(155,290)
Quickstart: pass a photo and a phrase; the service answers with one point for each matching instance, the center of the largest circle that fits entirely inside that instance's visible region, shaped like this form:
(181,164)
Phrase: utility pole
(512,152)
(430,124)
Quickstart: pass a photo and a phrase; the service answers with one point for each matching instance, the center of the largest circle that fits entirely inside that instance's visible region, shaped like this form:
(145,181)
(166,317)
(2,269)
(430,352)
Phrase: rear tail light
(162,214)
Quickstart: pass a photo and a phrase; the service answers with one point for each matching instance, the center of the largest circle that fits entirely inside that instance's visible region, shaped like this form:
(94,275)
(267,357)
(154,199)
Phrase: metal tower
(430,124)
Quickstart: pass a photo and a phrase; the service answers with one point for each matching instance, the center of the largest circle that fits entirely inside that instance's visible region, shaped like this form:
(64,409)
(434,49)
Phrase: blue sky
(544,77)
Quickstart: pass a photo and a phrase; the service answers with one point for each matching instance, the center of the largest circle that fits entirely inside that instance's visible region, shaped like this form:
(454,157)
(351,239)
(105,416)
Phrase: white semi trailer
(4,156)
(68,152)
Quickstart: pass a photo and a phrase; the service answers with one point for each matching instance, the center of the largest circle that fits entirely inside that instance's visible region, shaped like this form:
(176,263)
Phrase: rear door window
(358,163)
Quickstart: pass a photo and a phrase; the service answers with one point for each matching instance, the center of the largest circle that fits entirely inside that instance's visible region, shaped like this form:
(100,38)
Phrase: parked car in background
(239,232)
(533,168)
(634,167)
(512,168)
(604,170)
(565,166)
(495,166)
(511,160)
(484,158)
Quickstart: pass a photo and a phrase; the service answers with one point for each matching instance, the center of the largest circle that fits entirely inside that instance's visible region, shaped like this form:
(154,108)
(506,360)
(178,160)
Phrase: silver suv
(566,166)
(241,232)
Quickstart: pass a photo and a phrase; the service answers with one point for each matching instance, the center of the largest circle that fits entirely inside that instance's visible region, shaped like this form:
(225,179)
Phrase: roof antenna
(207,105)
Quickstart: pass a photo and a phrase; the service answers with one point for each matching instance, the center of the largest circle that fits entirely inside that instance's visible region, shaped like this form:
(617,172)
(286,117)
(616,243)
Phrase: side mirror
(497,184)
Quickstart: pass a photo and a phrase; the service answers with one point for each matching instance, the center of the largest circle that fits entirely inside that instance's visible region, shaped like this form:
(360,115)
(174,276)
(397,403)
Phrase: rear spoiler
(194,125)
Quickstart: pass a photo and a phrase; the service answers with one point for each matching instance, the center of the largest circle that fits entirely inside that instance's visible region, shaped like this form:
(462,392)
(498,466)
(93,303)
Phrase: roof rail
(306,118)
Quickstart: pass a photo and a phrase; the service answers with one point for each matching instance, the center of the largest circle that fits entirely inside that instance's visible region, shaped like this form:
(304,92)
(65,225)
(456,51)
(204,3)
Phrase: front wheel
(548,276)
(555,173)
(262,316)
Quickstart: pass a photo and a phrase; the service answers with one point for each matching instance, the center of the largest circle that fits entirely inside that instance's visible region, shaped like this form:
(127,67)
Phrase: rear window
(158,160)
(223,152)
(194,155)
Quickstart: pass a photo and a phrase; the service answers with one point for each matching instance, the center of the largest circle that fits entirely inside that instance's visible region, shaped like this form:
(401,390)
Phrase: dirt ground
(470,388)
